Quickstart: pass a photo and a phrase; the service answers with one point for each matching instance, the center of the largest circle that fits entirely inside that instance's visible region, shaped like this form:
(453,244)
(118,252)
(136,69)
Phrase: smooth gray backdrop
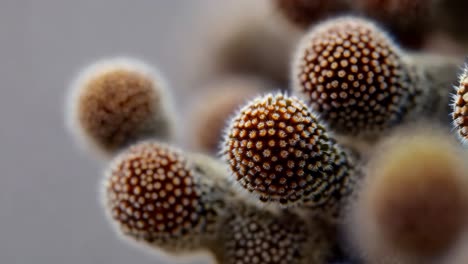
(49,213)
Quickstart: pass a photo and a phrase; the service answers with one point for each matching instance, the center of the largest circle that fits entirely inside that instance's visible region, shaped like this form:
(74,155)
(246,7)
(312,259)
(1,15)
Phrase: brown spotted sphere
(277,149)
(304,13)
(116,102)
(153,195)
(460,107)
(353,76)
(254,235)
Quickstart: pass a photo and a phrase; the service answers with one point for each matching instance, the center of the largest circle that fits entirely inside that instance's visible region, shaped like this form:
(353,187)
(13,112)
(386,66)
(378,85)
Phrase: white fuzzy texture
(252,196)
(103,66)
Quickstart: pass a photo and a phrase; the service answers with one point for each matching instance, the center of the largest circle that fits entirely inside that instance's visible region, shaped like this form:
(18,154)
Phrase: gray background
(49,211)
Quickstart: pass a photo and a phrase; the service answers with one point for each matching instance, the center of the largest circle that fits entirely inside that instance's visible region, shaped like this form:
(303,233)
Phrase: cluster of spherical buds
(292,180)
(162,197)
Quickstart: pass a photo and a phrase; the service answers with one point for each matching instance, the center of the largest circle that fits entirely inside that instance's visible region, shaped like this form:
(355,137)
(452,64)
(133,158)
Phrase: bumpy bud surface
(460,107)
(413,204)
(156,196)
(278,150)
(116,102)
(254,235)
(353,75)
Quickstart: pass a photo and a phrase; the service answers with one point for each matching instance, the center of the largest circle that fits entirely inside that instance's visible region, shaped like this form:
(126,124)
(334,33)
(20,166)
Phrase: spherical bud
(304,13)
(155,195)
(278,150)
(413,203)
(353,75)
(220,100)
(116,102)
(253,235)
(460,107)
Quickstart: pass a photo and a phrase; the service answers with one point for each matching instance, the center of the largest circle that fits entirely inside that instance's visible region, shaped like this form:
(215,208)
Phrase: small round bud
(460,107)
(304,13)
(253,235)
(413,203)
(277,149)
(116,102)
(353,75)
(221,99)
(156,196)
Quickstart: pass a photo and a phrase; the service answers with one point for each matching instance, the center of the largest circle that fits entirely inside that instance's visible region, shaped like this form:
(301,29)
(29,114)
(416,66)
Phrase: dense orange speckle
(460,107)
(352,75)
(277,149)
(152,194)
(256,236)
